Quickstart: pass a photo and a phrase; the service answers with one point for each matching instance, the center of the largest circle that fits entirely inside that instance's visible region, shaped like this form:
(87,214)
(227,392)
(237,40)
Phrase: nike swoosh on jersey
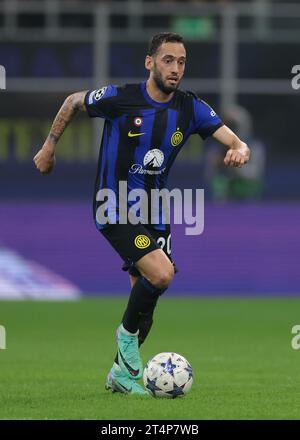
(131,135)
(129,368)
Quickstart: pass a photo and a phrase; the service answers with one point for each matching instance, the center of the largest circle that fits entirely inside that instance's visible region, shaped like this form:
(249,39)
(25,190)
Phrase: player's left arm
(238,153)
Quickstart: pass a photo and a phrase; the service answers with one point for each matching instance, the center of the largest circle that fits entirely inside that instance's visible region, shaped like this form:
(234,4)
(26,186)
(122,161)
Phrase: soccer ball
(168,375)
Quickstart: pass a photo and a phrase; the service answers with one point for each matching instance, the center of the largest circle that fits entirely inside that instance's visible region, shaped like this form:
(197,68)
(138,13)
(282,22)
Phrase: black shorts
(132,242)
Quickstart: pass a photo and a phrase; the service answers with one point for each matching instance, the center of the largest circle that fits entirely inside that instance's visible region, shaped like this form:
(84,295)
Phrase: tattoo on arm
(53,137)
(68,110)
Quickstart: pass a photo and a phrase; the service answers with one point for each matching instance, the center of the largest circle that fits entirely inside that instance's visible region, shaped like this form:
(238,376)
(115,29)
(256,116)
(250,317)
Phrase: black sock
(142,300)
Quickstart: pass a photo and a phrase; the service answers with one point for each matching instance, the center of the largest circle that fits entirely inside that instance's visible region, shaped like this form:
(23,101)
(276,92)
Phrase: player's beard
(158,79)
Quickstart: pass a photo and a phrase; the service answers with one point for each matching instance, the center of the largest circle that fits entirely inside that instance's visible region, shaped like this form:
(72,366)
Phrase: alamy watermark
(296,78)
(2,78)
(2,338)
(296,339)
(152,207)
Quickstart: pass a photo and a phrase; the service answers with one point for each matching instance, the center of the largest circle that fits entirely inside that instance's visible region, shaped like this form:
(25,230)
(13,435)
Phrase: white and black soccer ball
(168,375)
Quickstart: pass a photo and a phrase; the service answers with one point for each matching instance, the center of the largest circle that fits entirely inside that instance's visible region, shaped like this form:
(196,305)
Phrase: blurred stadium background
(240,58)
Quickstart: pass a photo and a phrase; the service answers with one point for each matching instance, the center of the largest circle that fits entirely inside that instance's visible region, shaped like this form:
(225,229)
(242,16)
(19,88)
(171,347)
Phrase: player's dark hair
(163,37)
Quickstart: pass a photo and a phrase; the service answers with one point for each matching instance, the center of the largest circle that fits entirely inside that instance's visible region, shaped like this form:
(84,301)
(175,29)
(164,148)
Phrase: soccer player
(146,125)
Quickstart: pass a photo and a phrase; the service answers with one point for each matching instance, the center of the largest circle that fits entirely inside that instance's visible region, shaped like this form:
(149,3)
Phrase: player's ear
(148,62)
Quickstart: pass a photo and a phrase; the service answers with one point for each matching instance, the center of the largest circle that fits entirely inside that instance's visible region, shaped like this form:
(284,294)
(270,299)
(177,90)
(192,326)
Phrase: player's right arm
(45,159)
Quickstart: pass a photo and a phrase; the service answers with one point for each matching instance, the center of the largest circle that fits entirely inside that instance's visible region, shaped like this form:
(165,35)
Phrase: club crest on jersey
(142,241)
(138,121)
(176,138)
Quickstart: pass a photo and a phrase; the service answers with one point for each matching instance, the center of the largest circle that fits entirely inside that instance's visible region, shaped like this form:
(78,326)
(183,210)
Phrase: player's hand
(45,159)
(237,157)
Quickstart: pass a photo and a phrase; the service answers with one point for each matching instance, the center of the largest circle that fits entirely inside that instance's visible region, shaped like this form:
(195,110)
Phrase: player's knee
(163,277)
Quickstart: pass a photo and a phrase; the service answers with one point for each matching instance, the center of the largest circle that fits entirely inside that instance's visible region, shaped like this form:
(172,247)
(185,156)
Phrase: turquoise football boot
(128,353)
(119,382)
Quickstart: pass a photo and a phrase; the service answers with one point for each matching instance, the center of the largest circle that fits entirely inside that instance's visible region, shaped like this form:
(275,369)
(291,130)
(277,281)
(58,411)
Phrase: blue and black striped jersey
(142,137)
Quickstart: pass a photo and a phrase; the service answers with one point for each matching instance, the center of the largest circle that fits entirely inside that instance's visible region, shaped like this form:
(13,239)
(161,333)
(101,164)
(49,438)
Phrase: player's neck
(156,94)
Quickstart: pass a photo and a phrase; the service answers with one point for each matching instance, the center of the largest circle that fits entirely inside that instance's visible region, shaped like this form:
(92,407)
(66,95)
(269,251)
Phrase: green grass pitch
(58,355)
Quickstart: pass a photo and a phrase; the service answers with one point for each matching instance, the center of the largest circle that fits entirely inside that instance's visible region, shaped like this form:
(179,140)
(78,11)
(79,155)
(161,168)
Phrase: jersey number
(161,241)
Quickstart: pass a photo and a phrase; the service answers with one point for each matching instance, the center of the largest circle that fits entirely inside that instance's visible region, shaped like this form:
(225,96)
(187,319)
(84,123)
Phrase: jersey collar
(151,101)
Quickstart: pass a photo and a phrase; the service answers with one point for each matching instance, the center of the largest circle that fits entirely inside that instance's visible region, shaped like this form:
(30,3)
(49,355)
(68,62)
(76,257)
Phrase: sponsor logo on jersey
(176,138)
(153,160)
(134,134)
(137,168)
(142,241)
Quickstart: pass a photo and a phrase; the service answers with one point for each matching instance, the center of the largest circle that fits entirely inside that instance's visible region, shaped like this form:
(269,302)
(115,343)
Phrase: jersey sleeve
(102,103)
(206,119)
